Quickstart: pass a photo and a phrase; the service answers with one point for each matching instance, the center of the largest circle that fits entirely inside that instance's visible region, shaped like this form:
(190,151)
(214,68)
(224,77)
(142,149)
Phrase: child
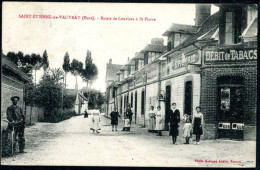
(187,130)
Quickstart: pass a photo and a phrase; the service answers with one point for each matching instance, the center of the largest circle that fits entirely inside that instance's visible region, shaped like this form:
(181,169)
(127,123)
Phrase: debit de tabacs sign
(229,55)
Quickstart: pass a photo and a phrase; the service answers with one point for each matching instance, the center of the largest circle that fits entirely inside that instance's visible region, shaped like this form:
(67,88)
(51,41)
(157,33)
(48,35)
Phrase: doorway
(188,98)
(167,106)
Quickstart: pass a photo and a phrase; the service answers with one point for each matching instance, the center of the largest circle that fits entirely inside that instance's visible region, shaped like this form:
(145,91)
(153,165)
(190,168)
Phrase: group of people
(193,125)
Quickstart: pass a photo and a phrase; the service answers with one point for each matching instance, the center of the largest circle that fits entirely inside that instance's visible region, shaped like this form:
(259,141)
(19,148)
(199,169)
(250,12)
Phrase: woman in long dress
(95,120)
(159,121)
(197,121)
(174,119)
(151,119)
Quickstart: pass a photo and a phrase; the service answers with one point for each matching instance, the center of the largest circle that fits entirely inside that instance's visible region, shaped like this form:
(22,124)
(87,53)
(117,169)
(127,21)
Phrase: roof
(13,67)
(251,31)
(111,71)
(181,28)
(154,48)
(207,30)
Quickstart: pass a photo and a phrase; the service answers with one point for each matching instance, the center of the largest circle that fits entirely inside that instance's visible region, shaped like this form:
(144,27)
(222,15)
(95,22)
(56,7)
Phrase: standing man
(174,119)
(16,118)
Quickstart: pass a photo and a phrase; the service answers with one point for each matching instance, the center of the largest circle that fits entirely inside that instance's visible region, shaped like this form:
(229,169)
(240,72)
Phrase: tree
(66,65)
(12,57)
(45,61)
(95,98)
(36,61)
(56,75)
(89,74)
(76,68)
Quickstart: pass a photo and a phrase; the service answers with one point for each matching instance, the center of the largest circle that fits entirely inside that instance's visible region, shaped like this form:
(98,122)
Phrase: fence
(34,114)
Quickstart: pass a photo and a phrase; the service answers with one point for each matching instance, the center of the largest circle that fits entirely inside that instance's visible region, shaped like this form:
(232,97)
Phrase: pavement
(72,143)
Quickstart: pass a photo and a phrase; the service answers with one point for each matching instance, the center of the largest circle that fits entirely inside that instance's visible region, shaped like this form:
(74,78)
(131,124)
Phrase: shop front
(229,91)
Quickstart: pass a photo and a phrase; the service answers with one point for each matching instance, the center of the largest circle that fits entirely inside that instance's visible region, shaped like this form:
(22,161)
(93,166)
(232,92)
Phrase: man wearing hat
(16,118)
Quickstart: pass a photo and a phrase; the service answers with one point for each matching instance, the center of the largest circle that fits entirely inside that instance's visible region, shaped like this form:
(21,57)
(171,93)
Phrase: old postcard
(129,84)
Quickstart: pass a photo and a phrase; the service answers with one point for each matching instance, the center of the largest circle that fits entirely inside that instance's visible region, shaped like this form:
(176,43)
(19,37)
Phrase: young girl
(187,130)
(197,122)
(159,121)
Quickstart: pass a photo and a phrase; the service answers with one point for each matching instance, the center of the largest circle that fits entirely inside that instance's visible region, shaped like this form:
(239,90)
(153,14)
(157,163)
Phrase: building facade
(212,64)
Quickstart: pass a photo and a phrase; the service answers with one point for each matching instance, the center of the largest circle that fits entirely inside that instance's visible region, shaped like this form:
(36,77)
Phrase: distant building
(111,78)
(81,102)
(13,82)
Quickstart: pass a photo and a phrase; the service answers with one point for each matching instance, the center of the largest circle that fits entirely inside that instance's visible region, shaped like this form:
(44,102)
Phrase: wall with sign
(231,55)
(152,72)
(139,80)
(180,63)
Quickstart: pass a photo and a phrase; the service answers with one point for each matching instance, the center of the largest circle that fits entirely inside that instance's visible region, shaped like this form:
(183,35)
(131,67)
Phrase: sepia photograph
(129,84)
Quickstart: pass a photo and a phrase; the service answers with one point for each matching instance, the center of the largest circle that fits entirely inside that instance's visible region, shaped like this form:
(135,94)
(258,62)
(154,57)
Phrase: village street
(72,143)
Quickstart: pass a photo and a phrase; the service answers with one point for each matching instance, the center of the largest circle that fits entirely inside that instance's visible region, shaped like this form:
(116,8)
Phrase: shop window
(231,99)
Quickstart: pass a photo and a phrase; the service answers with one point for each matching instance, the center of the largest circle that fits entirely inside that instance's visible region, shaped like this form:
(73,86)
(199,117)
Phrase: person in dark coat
(16,118)
(129,113)
(174,119)
(114,118)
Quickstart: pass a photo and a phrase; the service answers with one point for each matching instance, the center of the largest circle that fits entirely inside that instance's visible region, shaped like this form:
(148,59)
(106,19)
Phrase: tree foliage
(45,61)
(90,72)
(95,98)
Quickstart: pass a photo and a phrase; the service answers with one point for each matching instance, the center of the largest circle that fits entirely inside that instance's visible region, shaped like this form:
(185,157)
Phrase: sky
(115,39)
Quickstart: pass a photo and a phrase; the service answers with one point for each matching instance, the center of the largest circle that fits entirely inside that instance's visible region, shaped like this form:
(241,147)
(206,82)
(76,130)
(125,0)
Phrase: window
(132,69)
(136,64)
(169,46)
(229,28)
(141,63)
(168,60)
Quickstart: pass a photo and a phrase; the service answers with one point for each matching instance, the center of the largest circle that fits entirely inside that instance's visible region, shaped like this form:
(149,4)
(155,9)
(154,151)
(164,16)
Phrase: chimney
(202,13)
(127,58)
(110,61)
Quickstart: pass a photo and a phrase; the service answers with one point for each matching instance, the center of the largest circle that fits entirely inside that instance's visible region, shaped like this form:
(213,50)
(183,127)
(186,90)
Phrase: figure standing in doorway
(197,121)
(129,113)
(159,121)
(174,119)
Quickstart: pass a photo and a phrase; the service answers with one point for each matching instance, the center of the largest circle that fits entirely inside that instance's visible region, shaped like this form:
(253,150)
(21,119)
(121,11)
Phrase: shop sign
(139,80)
(238,126)
(184,60)
(152,74)
(230,55)
(131,84)
(222,125)
(192,68)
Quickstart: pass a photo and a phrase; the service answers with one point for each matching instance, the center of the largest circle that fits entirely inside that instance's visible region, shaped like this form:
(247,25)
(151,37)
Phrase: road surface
(71,142)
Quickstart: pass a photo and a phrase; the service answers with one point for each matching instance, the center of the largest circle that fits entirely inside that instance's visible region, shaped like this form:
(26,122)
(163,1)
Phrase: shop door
(231,108)
(142,103)
(167,105)
(188,98)
(135,105)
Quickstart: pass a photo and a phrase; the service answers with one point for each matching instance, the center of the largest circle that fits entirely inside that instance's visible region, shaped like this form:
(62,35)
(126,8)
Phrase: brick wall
(209,92)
